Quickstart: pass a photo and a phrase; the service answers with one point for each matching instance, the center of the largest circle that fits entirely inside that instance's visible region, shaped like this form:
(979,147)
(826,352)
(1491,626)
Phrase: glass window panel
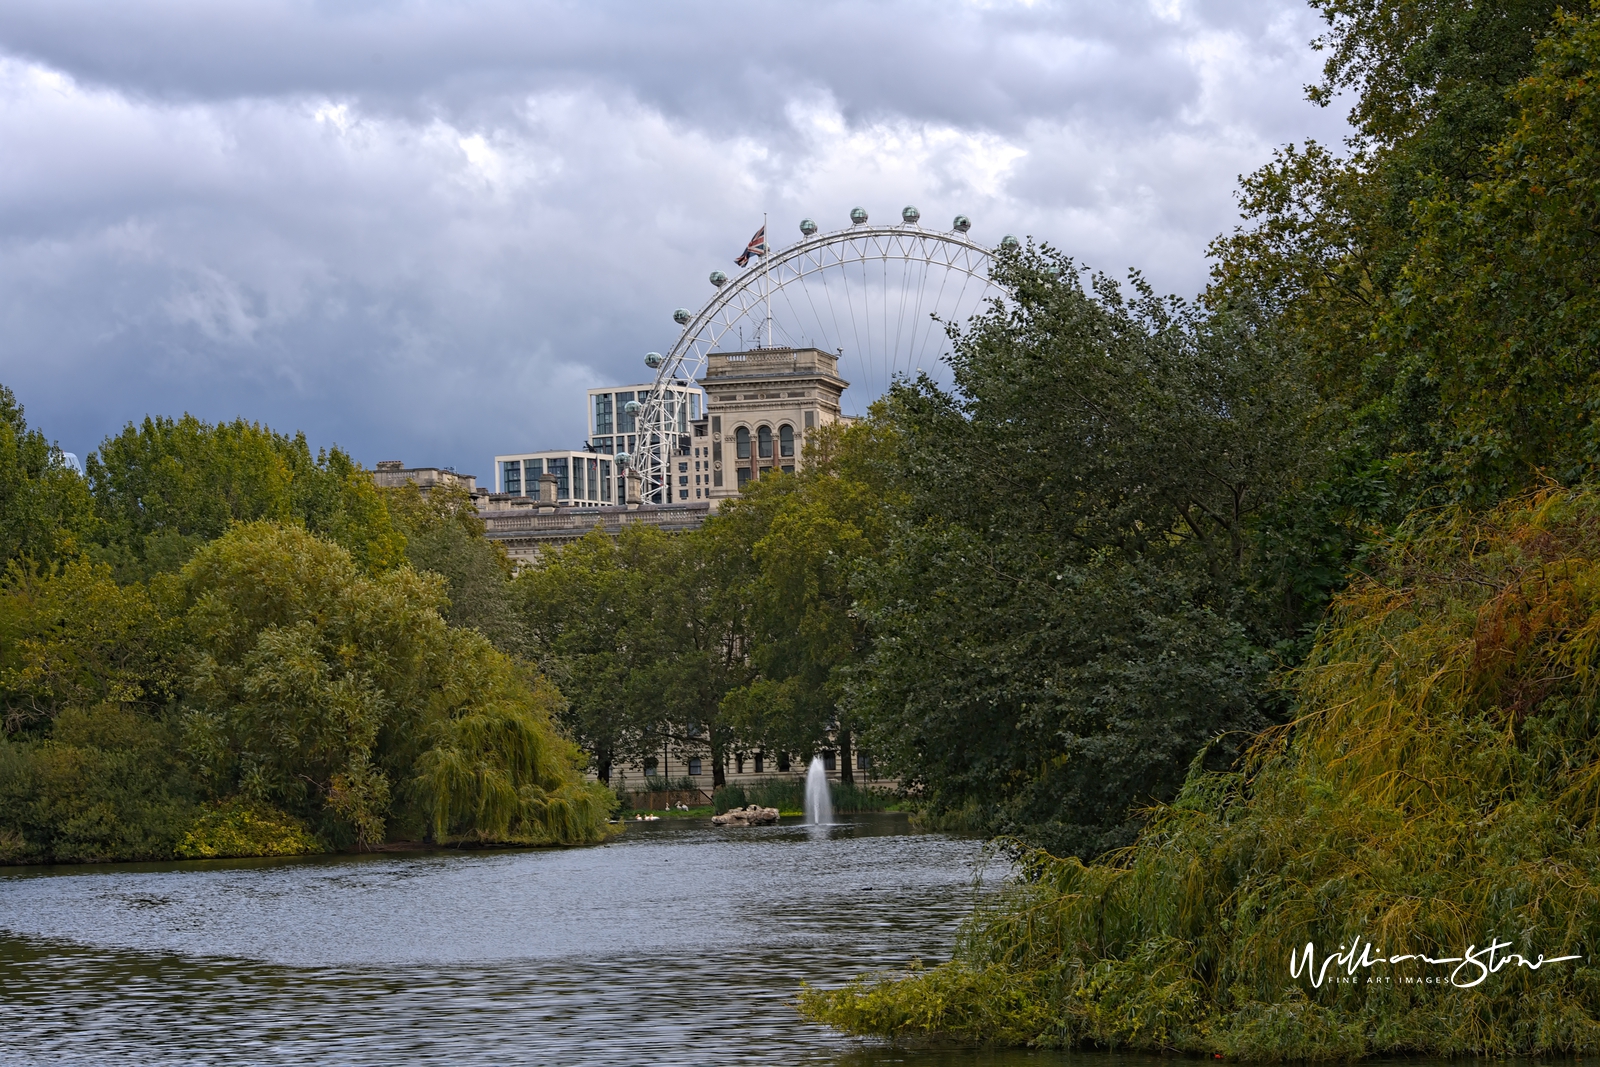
(602,413)
(764,442)
(625,422)
(512,479)
(786,440)
(741,443)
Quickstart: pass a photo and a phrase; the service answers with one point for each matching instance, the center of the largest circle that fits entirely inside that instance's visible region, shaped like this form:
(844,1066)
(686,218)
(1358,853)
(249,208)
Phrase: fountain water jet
(819,803)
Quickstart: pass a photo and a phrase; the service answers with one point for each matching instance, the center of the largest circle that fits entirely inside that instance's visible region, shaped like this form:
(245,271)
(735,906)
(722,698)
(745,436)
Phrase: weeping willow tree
(1438,793)
(497,769)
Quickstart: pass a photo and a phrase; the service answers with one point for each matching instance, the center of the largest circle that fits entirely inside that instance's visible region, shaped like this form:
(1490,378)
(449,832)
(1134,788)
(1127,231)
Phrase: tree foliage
(1092,566)
(45,511)
(167,486)
(444,535)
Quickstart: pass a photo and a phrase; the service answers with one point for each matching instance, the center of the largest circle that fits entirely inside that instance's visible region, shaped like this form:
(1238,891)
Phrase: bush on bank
(1439,791)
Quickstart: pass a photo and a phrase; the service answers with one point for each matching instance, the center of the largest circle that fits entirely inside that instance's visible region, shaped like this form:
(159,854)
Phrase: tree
(444,535)
(166,487)
(1328,238)
(692,639)
(1076,597)
(582,606)
(76,639)
(45,511)
(1499,301)
(809,536)
(344,699)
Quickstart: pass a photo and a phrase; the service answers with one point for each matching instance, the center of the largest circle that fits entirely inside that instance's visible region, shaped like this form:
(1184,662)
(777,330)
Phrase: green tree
(1499,302)
(1077,597)
(582,606)
(444,535)
(107,784)
(45,511)
(809,537)
(693,642)
(344,699)
(166,487)
(1329,236)
(75,639)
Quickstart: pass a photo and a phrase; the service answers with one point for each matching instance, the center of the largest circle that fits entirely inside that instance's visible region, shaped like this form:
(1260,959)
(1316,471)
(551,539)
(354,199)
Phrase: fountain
(819,803)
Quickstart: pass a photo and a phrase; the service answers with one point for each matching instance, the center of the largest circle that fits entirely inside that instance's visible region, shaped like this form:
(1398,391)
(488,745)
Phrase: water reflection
(680,944)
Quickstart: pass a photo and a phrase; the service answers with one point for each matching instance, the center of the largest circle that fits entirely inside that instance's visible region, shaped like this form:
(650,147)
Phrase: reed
(1439,788)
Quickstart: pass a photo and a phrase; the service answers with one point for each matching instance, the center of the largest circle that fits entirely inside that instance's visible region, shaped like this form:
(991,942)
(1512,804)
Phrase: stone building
(393,474)
(760,406)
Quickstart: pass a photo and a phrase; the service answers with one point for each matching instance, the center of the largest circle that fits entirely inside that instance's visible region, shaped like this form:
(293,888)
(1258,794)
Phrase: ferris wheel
(880,297)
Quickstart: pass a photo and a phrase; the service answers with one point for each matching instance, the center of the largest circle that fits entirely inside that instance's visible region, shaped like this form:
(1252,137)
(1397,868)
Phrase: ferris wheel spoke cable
(908,268)
(866,313)
(804,288)
(888,364)
(792,311)
(933,322)
(916,321)
(850,303)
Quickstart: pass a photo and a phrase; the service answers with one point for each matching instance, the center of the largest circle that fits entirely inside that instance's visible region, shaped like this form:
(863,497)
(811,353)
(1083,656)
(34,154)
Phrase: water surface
(679,943)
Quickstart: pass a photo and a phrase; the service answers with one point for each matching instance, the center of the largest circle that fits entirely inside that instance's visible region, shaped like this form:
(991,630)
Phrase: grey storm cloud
(420,230)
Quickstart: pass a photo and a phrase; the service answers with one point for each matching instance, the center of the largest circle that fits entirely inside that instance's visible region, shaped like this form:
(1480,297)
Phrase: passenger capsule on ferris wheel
(682,316)
(622,458)
(909,215)
(654,360)
(632,407)
(1009,242)
(962,224)
(807,227)
(858,216)
(718,279)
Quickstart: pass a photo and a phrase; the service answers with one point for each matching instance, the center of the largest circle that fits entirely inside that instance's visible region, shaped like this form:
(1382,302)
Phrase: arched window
(786,441)
(741,442)
(764,442)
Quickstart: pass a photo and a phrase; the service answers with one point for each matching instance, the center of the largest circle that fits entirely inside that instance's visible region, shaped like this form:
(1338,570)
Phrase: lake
(679,943)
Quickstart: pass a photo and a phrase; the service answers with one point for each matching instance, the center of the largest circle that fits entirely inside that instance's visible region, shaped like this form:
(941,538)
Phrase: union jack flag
(756,247)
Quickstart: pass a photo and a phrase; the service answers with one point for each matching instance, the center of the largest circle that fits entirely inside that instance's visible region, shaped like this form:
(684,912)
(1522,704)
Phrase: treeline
(1349,496)
(219,644)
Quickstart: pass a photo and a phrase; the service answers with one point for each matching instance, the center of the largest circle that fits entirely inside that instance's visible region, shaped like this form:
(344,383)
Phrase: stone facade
(393,474)
(760,406)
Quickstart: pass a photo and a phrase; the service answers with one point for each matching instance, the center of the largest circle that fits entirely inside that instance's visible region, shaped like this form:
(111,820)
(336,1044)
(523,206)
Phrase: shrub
(238,828)
(106,785)
(728,797)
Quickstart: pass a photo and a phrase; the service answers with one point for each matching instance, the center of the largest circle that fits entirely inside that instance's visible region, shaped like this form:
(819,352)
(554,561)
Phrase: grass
(1439,788)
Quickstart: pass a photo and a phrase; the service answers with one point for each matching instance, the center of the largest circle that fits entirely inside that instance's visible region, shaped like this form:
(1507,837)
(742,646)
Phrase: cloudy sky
(421,229)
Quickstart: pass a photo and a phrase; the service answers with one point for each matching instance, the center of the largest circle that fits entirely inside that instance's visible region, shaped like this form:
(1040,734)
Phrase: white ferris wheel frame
(750,294)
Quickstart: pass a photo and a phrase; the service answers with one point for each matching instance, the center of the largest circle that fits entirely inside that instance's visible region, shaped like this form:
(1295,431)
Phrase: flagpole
(766,279)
